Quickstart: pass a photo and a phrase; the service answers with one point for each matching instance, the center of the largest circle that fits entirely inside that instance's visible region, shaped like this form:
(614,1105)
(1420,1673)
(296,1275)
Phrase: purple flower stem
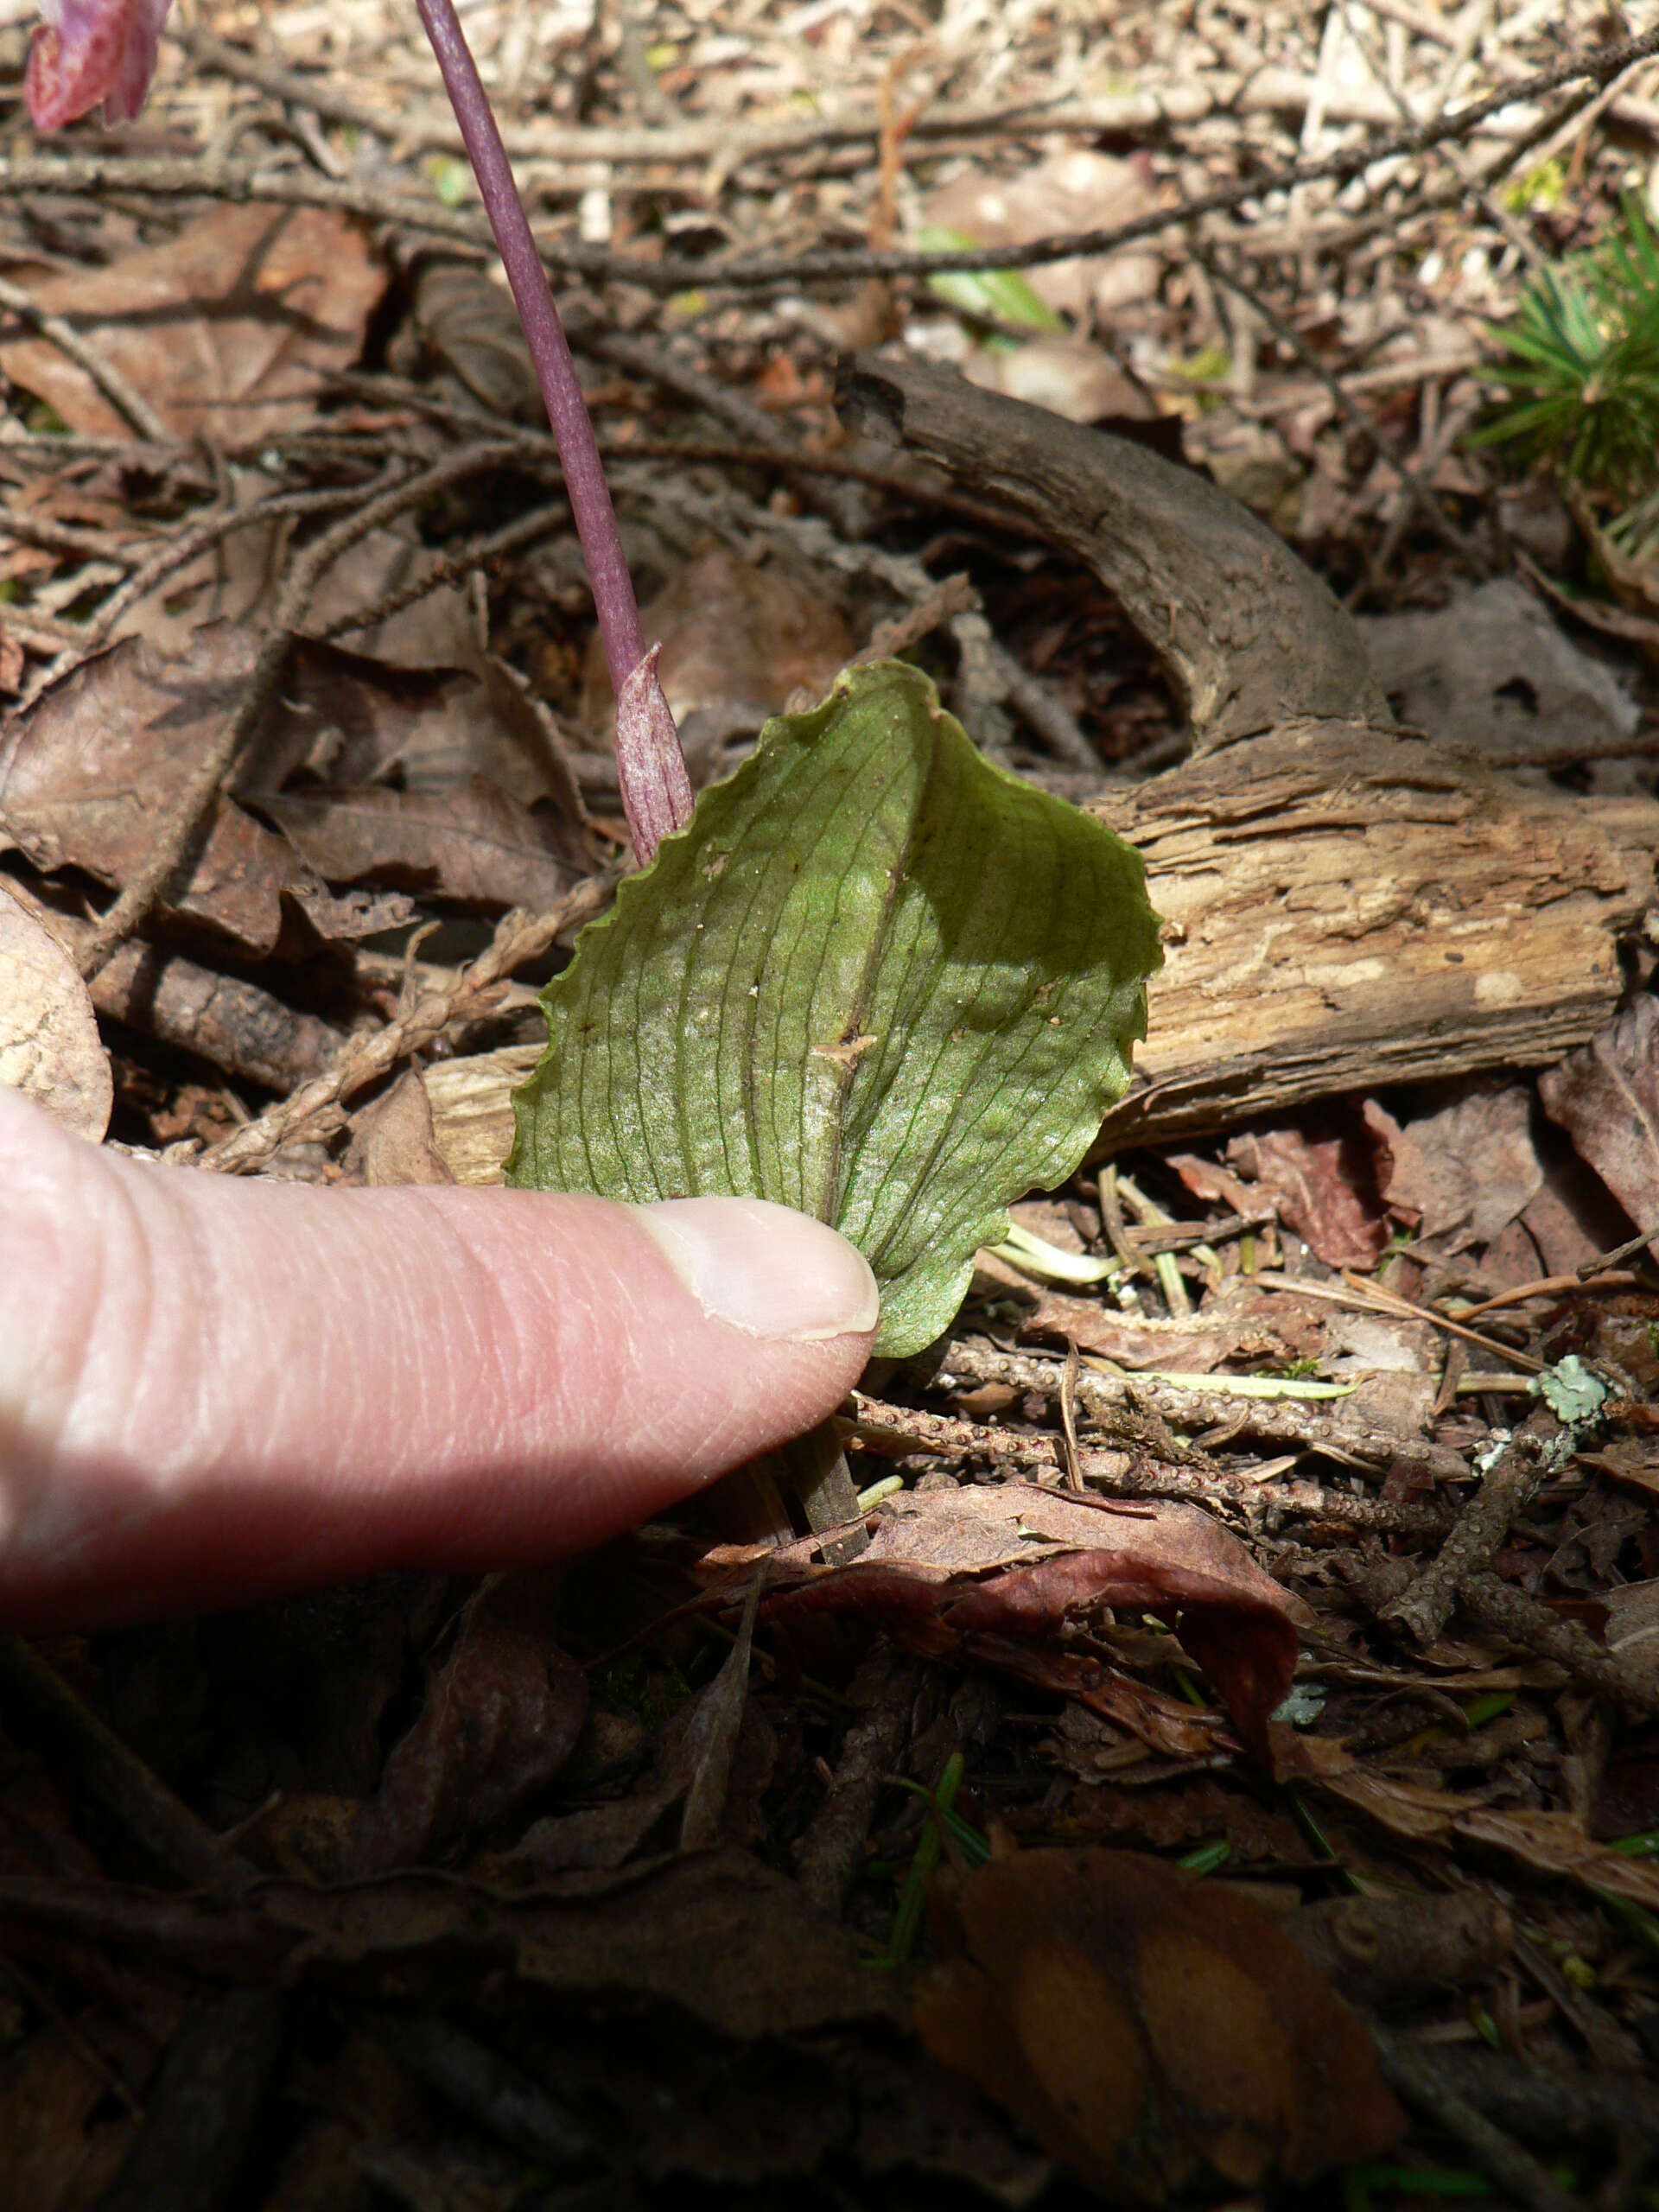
(651,766)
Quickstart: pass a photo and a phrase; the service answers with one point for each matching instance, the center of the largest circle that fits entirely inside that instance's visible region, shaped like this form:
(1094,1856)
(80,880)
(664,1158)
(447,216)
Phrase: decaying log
(1350,911)
(1349,906)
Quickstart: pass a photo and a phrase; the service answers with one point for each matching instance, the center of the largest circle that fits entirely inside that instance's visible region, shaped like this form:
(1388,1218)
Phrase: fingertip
(215,1389)
(765,1269)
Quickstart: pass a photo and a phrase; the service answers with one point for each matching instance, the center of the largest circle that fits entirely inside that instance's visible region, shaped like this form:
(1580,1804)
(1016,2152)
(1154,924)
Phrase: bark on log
(1349,906)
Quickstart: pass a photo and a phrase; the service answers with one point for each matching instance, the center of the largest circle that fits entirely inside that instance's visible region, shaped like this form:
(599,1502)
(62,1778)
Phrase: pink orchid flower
(91,50)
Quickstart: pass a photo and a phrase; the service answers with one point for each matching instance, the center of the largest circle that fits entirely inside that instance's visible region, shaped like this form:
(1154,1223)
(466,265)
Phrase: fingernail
(764,1268)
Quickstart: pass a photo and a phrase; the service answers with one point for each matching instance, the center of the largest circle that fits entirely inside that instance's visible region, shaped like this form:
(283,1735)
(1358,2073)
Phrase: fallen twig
(194,178)
(1418,2078)
(519,936)
(1538,1449)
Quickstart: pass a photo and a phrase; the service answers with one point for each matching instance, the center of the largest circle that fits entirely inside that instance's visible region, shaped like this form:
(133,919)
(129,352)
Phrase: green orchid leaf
(875,979)
(1000,295)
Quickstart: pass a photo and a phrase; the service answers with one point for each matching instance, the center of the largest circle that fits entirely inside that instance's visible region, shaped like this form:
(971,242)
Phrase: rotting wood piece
(1348,905)
(1346,910)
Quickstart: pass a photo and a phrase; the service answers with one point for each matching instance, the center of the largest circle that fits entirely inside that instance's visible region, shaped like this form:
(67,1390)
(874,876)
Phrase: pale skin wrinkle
(213,1389)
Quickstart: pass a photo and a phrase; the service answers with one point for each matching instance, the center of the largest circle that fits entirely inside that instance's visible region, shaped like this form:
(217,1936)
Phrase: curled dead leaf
(502,1713)
(1151,2031)
(1012,1560)
(50,1049)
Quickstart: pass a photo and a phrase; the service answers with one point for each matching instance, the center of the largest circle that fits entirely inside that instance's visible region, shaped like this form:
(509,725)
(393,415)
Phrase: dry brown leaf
(465,328)
(1574,1218)
(393,1141)
(718,1935)
(1471,1165)
(1605,1096)
(1325,1188)
(55,2149)
(1012,1560)
(50,1049)
(228,329)
(92,775)
(1548,1842)
(439,630)
(1153,2031)
(234,581)
(501,1716)
(719,1718)
(471,842)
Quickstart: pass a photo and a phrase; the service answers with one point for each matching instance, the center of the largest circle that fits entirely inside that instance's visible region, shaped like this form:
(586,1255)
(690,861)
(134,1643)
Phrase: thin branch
(1540,1448)
(1176,106)
(177,552)
(477,553)
(519,936)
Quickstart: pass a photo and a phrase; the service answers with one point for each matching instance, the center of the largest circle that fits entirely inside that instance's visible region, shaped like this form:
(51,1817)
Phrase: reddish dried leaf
(228,329)
(1472,1166)
(1012,1559)
(1325,1188)
(1153,2031)
(1214,1185)
(1606,1097)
